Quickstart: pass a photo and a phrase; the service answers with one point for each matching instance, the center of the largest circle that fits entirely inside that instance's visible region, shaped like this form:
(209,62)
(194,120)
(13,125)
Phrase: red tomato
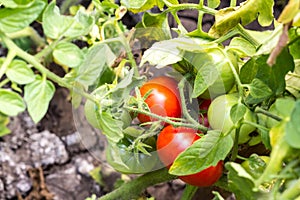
(204,104)
(164,99)
(172,141)
(203,108)
(203,119)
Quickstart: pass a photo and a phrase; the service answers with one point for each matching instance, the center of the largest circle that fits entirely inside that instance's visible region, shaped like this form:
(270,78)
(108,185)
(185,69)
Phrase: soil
(51,160)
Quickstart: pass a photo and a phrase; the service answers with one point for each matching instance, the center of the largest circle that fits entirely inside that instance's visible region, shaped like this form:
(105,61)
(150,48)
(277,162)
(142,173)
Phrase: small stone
(47,149)
(23,186)
(83,166)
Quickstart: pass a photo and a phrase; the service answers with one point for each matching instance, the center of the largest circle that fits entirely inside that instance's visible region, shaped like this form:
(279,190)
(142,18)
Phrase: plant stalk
(262,111)
(167,120)
(32,60)
(10,56)
(134,188)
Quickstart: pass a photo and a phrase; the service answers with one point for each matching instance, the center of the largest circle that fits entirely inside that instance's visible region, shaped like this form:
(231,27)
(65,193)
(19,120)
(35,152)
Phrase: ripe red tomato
(204,105)
(172,141)
(203,119)
(164,99)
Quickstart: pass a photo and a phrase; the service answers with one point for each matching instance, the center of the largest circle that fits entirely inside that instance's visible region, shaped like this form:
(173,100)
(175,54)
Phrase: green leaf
(19,72)
(4,130)
(170,2)
(136,6)
(37,96)
(12,20)
(259,90)
(97,176)
(268,40)
(68,54)
(217,196)
(56,25)
(94,64)
(242,47)
(293,80)
(292,129)
(205,77)
(82,25)
(159,21)
(16,3)
(255,165)
(237,112)
(247,12)
(294,47)
(213,3)
(257,73)
(125,86)
(289,11)
(240,181)
(110,127)
(4,120)
(203,153)
(11,103)
(171,51)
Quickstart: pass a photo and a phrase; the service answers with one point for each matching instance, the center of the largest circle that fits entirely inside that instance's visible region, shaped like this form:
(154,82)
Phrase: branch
(134,188)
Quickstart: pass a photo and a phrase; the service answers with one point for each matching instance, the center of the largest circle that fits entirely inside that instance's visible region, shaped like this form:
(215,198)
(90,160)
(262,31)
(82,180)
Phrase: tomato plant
(172,141)
(250,76)
(163,99)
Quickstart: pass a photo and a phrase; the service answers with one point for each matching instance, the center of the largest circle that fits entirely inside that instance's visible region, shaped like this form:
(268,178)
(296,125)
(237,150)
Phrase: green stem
(32,60)
(179,24)
(126,44)
(227,36)
(167,120)
(184,108)
(28,32)
(189,192)
(4,82)
(256,125)
(294,75)
(246,35)
(232,3)
(46,51)
(292,192)
(235,145)
(10,56)
(237,77)
(134,188)
(186,6)
(262,111)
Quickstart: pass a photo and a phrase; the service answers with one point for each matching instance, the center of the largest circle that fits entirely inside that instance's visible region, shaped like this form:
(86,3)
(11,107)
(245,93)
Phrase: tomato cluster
(163,99)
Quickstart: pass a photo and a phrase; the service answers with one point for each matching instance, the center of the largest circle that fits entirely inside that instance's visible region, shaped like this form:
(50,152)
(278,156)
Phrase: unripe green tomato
(219,117)
(127,162)
(216,57)
(226,79)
